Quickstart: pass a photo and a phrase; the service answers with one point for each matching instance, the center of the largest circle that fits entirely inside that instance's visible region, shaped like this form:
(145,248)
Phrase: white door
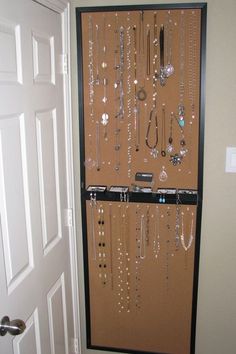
(35,283)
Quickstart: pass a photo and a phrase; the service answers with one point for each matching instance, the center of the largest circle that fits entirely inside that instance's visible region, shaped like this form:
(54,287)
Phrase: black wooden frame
(191,199)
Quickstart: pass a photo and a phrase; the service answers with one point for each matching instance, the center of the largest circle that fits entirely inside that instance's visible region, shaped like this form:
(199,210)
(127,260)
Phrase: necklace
(177,222)
(98,147)
(137,261)
(148,57)
(192,61)
(156,241)
(163,135)
(182,236)
(170,146)
(105,115)
(142,238)
(97,79)
(153,147)
(141,93)
(91,66)
(136,108)
(92,226)
(101,246)
(169,69)
(181,108)
(111,245)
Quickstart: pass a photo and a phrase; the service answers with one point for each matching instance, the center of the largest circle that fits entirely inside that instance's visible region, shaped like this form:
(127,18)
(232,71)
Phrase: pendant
(176,159)
(154,153)
(141,94)
(169,70)
(169,148)
(104,119)
(163,175)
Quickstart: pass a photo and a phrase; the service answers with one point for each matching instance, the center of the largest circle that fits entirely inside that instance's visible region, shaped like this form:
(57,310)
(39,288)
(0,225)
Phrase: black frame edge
(200,175)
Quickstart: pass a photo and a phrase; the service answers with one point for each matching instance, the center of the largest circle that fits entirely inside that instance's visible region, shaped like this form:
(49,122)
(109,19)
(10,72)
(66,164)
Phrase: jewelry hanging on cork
(187,246)
(141,92)
(156,240)
(170,146)
(90,67)
(181,108)
(163,130)
(105,115)
(169,68)
(192,60)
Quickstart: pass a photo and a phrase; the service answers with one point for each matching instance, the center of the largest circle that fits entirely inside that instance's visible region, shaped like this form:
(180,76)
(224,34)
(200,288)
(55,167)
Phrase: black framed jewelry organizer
(141,107)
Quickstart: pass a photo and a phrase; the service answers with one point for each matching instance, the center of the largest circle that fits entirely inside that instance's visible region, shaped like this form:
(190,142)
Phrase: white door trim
(63,7)
(55,5)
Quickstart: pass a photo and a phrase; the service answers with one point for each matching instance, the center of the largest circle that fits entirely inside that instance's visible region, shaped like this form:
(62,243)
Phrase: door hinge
(69,217)
(64,63)
(75,345)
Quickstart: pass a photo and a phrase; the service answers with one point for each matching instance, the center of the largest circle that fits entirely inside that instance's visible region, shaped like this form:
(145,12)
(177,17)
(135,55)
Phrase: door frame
(62,7)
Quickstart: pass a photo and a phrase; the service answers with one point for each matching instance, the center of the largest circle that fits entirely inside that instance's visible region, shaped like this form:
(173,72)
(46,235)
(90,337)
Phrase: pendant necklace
(152,120)
(105,116)
(169,69)
(163,130)
(170,146)
(136,107)
(192,61)
(141,93)
(181,108)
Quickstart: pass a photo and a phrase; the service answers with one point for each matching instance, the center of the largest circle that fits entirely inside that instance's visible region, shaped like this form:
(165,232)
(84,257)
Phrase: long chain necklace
(105,115)
(136,107)
(102,246)
(153,147)
(187,246)
(181,108)
(163,129)
(156,240)
(192,61)
(91,67)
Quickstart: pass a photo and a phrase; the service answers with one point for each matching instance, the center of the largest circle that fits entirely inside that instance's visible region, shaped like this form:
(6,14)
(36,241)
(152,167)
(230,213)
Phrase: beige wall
(216,323)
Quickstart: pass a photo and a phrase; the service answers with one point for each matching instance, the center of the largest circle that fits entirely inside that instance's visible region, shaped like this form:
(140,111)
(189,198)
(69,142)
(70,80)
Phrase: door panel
(34,244)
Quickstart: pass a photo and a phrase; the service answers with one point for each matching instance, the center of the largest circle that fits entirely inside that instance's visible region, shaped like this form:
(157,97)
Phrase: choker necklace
(182,236)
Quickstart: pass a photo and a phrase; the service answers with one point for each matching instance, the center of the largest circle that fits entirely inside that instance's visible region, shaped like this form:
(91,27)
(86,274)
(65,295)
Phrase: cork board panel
(140,276)
(110,150)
